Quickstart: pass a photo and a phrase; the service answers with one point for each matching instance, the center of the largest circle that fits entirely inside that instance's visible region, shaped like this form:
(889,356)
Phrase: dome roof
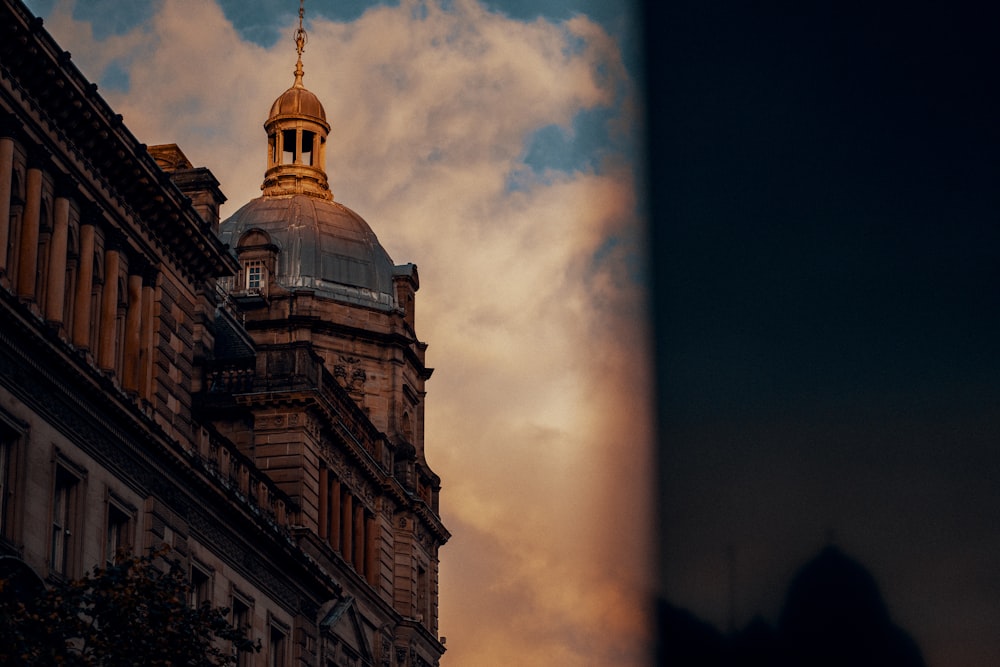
(322,245)
(297,101)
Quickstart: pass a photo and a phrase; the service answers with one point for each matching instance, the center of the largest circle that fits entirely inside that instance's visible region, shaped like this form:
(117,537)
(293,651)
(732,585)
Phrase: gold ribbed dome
(297,101)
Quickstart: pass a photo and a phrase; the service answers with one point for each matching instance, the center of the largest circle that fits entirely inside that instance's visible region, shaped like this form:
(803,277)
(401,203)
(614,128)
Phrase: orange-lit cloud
(537,419)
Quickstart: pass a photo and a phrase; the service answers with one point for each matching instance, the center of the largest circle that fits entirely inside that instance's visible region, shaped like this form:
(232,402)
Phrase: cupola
(296,138)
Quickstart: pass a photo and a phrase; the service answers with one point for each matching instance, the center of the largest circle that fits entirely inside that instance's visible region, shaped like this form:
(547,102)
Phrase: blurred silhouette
(833,616)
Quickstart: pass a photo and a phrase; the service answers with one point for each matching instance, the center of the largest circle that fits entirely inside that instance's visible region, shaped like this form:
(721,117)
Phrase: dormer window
(254,272)
(257,256)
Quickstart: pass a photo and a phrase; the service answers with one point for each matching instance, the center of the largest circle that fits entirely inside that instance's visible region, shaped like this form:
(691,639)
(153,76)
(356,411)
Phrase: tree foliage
(134,612)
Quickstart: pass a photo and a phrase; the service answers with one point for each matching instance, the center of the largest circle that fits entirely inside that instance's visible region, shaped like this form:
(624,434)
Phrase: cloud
(537,419)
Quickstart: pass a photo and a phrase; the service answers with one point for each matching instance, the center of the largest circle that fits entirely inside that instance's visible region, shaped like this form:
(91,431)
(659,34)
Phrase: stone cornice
(61,97)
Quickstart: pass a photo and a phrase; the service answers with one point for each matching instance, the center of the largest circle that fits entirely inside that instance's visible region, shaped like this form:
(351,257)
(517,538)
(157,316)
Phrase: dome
(297,101)
(834,588)
(322,245)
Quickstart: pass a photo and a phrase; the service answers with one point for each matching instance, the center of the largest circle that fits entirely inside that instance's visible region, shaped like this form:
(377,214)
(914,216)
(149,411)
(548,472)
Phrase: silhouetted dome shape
(322,245)
(687,641)
(298,101)
(835,615)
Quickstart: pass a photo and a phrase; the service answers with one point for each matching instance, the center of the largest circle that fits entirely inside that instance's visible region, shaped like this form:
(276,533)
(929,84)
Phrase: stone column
(6,185)
(324,500)
(335,514)
(55,294)
(27,263)
(346,526)
(132,371)
(147,333)
(84,288)
(109,311)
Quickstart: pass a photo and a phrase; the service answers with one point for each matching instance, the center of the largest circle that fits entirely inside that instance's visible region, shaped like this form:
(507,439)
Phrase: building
(249,393)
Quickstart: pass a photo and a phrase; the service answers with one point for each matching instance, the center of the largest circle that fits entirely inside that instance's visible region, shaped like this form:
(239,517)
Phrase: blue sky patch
(579,148)
(115,77)
(260,22)
(113,17)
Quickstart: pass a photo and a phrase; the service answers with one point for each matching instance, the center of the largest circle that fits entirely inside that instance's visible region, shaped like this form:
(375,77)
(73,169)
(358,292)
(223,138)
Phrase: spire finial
(300,45)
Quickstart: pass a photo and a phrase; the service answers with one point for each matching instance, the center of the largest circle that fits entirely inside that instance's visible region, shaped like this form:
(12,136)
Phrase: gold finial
(300,45)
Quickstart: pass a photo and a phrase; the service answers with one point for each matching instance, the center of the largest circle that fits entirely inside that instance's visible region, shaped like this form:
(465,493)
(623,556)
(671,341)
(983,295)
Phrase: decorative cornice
(76,114)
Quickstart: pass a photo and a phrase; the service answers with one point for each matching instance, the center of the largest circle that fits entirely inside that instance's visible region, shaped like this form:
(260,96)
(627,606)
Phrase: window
(13,436)
(8,441)
(422,615)
(64,518)
(241,619)
(276,648)
(201,586)
(254,274)
(119,538)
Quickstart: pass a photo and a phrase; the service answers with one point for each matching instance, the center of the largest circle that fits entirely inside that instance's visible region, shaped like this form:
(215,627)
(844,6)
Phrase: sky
(495,145)
(825,297)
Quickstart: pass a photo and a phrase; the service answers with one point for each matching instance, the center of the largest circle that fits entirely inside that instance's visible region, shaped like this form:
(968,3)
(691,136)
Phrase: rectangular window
(201,586)
(12,435)
(255,274)
(6,478)
(241,619)
(276,648)
(64,516)
(119,538)
(421,594)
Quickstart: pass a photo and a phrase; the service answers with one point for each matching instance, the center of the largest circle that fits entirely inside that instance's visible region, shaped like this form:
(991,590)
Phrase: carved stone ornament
(358,377)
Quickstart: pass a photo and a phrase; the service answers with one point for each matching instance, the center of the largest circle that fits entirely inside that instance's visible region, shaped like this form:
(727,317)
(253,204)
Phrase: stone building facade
(249,393)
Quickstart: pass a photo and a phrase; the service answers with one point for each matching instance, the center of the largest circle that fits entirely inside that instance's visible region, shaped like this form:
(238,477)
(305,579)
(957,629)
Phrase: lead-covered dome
(322,245)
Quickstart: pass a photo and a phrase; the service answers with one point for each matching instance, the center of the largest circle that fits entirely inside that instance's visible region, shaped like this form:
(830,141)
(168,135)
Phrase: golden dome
(297,101)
